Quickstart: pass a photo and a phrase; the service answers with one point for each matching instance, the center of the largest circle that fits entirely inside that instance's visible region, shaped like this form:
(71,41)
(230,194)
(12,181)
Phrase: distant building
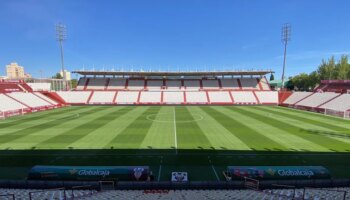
(67,73)
(14,71)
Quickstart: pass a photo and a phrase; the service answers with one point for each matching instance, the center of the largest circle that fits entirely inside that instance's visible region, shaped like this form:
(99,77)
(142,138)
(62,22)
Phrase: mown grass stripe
(32,117)
(9,137)
(62,140)
(209,126)
(100,134)
(300,117)
(316,128)
(291,141)
(249,136)
(134,134)
(161,133)
(189,135)
(329,143)
(316,116)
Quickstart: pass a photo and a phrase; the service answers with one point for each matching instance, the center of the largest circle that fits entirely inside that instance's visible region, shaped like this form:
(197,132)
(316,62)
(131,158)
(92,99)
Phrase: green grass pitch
(202,140)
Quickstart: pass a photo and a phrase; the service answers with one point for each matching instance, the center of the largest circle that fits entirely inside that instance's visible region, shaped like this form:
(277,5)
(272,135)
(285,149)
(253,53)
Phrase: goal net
(338,113)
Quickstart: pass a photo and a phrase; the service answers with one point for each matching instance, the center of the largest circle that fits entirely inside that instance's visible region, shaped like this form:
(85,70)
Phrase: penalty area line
(217,177)
(159,172)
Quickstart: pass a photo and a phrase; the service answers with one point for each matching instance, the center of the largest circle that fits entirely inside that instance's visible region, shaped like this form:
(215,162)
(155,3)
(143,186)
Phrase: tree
(57,76)
(327,70)
(343,68)
(74,83)
(301,81)
(272,77)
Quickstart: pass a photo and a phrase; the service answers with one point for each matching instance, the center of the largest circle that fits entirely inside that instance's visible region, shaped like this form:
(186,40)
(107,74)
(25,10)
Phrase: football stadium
(172,133)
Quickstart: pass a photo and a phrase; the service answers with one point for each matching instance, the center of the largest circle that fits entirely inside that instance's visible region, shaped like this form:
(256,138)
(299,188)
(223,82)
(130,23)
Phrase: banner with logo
(121,173)
(278,172)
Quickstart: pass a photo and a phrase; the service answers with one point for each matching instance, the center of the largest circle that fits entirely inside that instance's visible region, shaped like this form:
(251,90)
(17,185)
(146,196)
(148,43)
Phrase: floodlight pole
(286,35)
(61,35)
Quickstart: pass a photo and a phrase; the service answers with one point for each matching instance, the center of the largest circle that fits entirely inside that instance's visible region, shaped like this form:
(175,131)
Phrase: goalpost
(338,113)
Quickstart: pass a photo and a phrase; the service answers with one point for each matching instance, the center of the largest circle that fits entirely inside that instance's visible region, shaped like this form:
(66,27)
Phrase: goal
(338,113)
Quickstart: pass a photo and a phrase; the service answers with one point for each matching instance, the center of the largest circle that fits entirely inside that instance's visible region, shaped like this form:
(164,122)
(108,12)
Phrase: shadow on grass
(345,135)
(336,162)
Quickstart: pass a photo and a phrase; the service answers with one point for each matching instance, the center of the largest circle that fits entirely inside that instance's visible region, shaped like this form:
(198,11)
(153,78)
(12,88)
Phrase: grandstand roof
(173,73)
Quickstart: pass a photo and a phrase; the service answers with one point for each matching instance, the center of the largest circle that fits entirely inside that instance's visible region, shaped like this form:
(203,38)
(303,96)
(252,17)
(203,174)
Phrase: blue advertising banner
(278,172)
(125,173)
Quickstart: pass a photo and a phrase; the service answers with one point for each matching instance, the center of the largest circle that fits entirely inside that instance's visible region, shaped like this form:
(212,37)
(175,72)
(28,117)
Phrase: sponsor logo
(94,172)
(73,171)
(271,171)
(138,172)
(295,172)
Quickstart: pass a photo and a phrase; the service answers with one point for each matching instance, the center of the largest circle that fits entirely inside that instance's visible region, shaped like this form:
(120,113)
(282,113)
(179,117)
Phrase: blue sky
(173,34)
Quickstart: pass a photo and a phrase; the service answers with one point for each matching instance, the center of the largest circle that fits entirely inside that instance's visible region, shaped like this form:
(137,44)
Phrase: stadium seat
(116,84)
(268,97)
(211,84)
(127,97)
(196,97)
(150,97)
(241,97)
(8,104)
(102,97)
(341,103)
(173,97)
(78,97)
(219,97)
(316,99)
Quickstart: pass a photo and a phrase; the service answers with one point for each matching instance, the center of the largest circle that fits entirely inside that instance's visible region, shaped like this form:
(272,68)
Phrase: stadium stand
(173,97)
(81,83)
(173,85)
(249,84)
(102,97)
(136,84)
(45,98)
(264,84)
(317,99)
(29,99)
(195,89)
(243,97)
(230,84)
(96,84)
(193,85)
(296,97)
(116,84)
(196,97)
(271,194)
(266,97)
(14,86)
(341,103)
(9,104)
(211,84)
(155,85)
(80,97)
(340,86)
(40,86)
(33,194)
(130,97)
(220,97)
(150,97)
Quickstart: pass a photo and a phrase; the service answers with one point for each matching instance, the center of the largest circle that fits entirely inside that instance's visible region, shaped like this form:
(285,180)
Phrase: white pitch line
(175,134)
(160,170)
(217,177)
